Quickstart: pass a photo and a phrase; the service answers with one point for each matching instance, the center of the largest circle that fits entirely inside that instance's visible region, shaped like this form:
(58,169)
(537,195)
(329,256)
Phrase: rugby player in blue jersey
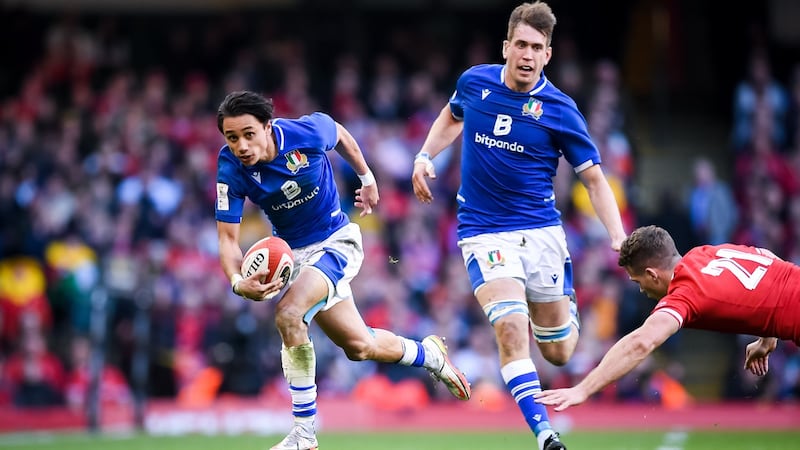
(515,125)
(282,166)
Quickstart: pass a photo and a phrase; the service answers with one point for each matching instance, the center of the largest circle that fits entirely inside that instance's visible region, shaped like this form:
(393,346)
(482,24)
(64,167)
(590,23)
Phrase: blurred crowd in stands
(108,146)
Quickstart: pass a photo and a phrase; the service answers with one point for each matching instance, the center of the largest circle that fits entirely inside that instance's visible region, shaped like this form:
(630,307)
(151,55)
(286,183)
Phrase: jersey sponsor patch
(290,189)
(485,93)
(491,143)
(223,203)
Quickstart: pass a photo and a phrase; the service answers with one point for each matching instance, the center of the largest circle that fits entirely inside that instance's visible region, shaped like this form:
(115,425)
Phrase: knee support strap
(499,309)
(552,334)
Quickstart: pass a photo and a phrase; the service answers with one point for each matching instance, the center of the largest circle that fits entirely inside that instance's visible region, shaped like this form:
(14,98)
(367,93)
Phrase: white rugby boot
(300,438)
(447,373)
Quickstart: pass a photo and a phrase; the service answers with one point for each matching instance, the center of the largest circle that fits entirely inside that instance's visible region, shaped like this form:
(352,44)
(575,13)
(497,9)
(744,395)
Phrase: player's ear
(505,48)
(651,273)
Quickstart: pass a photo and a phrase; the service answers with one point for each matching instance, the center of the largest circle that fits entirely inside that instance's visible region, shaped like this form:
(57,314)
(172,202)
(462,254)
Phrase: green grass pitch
(577,440)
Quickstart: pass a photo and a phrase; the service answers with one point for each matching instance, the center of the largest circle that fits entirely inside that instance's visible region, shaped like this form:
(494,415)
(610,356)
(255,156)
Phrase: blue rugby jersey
(296,190)
(512,142)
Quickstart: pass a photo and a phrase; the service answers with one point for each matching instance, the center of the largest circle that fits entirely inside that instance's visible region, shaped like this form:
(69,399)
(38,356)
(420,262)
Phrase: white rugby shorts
(538,258)
(338,258)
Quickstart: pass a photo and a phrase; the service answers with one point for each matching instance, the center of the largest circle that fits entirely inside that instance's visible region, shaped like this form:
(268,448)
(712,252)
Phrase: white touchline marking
(674,440)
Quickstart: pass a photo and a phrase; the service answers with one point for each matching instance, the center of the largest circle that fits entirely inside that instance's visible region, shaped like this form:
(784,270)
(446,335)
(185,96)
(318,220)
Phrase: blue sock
(523,381)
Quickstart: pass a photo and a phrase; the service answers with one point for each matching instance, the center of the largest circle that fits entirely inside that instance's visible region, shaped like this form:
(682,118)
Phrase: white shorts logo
(494,258)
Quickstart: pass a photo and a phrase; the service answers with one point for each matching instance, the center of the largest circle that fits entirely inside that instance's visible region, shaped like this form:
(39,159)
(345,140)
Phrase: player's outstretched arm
(367,195)
(756,358)
(604,204)
(623,357)
(444,130)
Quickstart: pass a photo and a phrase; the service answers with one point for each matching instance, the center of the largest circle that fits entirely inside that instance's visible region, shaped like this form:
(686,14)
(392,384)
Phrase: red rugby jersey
(735,289)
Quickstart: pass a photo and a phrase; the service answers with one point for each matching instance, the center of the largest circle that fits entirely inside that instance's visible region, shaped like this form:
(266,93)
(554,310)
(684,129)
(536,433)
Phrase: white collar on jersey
(536,89)
(279,138)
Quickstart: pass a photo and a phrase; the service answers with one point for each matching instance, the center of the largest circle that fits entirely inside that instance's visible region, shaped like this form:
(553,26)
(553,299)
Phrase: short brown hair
(649,246)
(537,15)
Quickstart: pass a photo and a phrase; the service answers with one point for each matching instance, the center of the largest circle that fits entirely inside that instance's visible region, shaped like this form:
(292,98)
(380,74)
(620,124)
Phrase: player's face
(249,139)
(526,54)
(649,283)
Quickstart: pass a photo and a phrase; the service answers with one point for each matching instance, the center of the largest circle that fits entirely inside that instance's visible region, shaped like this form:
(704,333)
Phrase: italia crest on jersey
(296,161)
(495,258)
(533,108)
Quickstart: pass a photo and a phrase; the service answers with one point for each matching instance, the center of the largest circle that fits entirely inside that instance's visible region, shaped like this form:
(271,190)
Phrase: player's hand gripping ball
(271,253)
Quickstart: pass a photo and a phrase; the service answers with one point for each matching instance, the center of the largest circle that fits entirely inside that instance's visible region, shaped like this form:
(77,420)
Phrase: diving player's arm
(444,130)
(366,196)
(623,357)
(604,203)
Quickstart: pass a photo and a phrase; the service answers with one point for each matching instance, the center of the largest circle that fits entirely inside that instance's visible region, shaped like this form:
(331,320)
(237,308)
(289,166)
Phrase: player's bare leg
(305,292)
(555,330)
(503,302)
(345,327)
(298,358)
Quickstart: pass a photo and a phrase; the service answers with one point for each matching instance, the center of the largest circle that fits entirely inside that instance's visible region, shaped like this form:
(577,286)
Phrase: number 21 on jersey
(727,260)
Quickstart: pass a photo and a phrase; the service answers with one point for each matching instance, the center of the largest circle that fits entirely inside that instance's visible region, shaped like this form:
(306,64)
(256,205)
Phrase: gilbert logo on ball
(271,254)
(255,263)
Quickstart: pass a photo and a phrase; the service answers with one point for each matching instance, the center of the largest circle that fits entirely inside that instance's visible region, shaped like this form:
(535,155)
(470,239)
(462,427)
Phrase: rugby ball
(271,253)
